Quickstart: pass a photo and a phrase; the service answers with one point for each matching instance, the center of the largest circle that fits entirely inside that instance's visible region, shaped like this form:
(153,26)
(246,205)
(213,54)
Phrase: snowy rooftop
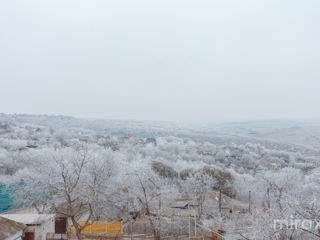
(9,228)
(29,218)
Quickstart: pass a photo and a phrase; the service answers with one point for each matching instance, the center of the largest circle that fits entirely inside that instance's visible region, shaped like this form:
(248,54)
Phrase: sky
(172,60)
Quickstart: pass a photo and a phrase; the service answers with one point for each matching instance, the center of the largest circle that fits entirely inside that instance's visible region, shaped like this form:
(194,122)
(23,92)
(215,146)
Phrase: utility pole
(189,220)
(250,202)
(172,226)
(195,223)
(220,202)
(268,195)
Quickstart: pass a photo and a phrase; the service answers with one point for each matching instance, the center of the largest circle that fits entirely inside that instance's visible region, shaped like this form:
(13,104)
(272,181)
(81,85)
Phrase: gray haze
(200,60)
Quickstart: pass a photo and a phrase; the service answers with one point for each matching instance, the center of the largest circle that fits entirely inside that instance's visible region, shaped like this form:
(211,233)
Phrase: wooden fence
(101,227)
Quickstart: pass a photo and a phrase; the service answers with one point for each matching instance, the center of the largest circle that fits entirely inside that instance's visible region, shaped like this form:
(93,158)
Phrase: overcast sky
(200,60)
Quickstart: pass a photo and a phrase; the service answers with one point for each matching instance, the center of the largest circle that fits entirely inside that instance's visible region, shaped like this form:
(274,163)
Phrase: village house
(37,225)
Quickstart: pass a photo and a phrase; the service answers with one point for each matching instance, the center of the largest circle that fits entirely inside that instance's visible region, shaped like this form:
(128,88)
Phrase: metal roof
(29,218)
(9,228)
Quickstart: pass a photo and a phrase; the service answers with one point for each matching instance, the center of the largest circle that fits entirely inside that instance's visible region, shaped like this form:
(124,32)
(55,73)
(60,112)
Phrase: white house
(37,225)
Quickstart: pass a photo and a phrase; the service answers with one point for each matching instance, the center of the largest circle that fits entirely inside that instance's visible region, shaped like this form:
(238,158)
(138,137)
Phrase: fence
(101,227)
(52,236)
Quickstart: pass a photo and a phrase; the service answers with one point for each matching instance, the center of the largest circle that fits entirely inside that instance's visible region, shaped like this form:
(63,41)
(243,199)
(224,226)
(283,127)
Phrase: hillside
(132,166)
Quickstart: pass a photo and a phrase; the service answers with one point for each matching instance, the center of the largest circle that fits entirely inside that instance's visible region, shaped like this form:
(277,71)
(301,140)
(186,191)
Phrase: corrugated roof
(9,227)
(29,218)
(182,203)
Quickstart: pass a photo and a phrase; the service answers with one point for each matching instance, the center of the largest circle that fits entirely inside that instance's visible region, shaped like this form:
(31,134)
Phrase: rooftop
(29,218)
(9,227)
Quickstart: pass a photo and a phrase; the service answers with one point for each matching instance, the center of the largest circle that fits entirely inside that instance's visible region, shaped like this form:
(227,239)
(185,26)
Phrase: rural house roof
(9,227)
(29,219)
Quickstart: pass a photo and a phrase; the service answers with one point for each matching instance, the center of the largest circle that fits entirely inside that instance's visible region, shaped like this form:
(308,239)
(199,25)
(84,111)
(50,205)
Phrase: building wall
(42,230)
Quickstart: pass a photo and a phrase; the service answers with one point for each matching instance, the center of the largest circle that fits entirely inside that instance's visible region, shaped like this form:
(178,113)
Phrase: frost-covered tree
(70,181)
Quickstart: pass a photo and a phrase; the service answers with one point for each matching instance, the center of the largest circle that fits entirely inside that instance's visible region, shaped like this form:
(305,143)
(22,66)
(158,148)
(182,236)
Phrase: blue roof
(6,202)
